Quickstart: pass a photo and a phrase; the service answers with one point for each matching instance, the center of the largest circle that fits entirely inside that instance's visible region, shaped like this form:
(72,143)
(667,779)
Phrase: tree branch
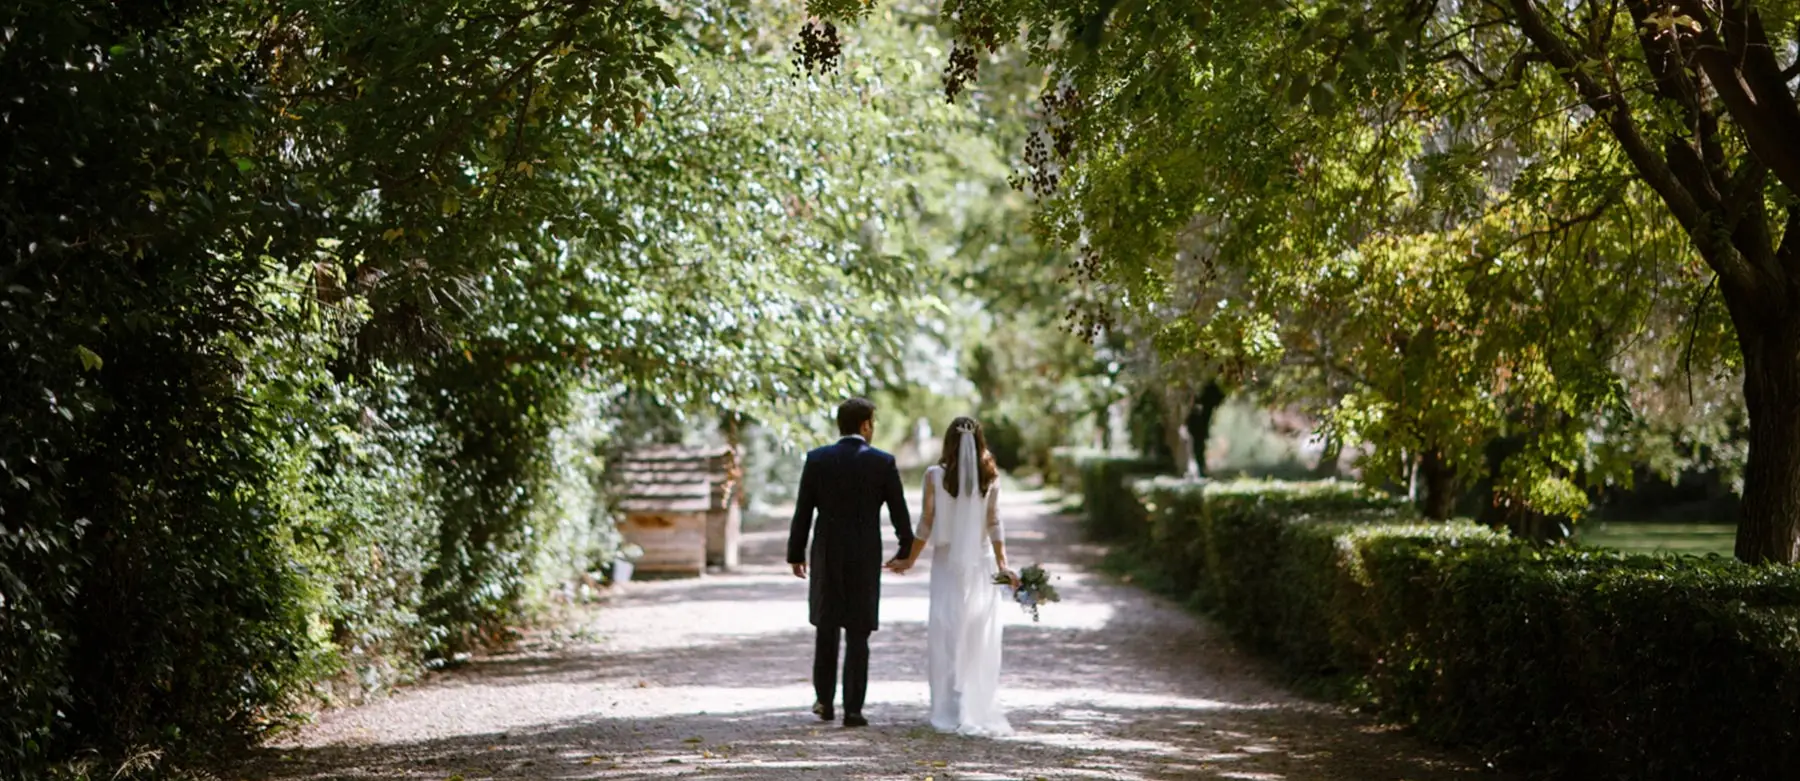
(1459,56)
(1746,186)
(1687,354)
(1789,251)
(1668,64)
(1616,113)
(1740,64)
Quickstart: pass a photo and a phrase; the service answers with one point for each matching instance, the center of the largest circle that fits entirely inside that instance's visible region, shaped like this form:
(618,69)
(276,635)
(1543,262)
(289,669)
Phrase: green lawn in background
(1644,537)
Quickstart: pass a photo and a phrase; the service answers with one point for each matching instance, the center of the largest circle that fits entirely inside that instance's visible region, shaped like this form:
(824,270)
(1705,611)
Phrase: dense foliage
(1566,662)
(178,170)
(1472,235)
(318,321)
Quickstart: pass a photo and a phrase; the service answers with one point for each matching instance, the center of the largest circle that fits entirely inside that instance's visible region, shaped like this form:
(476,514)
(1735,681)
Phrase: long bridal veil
(965,629)
(962,526)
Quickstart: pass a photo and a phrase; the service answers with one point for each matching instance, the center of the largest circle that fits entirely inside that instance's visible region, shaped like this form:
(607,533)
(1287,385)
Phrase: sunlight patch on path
(621,700)
(709,677)
(625,629)
(773,605)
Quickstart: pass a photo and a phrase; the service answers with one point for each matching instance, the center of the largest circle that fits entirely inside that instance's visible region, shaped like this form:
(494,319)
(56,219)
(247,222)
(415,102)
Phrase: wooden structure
(680,504)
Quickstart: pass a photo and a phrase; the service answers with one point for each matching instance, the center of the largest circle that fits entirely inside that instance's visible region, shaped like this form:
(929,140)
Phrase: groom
(846,484)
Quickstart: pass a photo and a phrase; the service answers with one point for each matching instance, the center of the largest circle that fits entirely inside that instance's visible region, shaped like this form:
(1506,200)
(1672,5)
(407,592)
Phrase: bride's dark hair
(985,469)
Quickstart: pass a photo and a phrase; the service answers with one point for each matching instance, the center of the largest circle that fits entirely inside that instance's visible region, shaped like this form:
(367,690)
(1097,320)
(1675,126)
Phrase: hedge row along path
(708,678)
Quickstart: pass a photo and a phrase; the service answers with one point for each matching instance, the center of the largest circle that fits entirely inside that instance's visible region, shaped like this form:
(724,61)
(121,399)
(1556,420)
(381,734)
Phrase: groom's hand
(799,571)
(899,566)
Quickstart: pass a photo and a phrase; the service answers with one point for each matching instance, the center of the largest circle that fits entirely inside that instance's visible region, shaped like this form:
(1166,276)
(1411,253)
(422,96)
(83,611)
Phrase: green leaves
(201,436)
(1321,98)
(1297,89)
(1330,585)
(1386,211)
(90,360)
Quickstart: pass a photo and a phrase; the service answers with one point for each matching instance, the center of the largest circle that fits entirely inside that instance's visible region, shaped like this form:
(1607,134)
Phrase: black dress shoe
(855,720)
(823,711)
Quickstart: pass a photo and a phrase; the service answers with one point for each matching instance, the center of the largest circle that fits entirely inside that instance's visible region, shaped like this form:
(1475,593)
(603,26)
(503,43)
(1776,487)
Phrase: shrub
(1572,661)
(210,488)
(1006,442)
(1590,662)
(1112,512)
(1063,468)
(1262,555)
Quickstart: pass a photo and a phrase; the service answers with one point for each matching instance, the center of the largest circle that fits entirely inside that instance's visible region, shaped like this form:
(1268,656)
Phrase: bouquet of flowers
(1034,589)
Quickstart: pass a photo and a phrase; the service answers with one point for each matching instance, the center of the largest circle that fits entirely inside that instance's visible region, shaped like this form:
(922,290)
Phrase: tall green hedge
(226,283)
(1570,662)
(1105,482)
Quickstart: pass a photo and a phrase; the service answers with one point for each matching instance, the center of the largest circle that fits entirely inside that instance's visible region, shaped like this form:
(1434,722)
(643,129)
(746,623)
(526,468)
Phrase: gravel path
(708,678)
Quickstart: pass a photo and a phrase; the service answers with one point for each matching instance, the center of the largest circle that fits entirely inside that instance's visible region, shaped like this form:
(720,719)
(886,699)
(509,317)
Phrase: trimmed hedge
(1112,511)
(1572,662)
(1063,469)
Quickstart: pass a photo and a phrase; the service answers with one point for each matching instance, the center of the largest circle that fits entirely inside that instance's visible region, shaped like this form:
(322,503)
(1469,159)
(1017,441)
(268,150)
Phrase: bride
(961,520)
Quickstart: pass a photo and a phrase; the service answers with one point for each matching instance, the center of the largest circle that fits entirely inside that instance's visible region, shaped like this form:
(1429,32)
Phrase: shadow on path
(708,678)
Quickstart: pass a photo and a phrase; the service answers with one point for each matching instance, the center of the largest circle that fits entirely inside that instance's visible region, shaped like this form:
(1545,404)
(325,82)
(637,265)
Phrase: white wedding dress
(964,628)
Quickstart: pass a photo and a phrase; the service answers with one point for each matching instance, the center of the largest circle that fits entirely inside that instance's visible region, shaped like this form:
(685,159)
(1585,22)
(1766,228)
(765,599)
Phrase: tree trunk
(1725,213)
(1199,421)
(1327,467)
(1177,401)
(1769,521)
(1440,485)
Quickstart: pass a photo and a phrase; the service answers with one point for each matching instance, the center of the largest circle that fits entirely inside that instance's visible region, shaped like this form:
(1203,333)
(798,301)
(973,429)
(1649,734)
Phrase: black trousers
(856,667)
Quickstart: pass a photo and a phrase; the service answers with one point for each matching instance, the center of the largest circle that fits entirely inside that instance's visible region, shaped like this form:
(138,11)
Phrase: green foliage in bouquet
(1033,591)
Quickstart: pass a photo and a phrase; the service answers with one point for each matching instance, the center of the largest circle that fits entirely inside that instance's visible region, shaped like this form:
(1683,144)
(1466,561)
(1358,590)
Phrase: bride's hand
(1011,576)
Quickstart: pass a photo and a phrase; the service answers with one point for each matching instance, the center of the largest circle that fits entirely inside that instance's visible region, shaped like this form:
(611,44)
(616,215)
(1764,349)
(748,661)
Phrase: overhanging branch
(1616,113)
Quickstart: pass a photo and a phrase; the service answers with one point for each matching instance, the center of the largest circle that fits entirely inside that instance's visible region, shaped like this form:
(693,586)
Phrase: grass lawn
(1643,537)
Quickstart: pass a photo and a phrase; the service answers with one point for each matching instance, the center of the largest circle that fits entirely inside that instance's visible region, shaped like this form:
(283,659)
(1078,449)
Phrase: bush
(1062,469)
(1569,661)
(217,472)
(1006,442)
(1263,555)
(1592,663)
(1112,512)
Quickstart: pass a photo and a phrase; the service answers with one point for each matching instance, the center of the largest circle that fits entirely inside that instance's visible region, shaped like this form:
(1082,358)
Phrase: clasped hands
(899,566)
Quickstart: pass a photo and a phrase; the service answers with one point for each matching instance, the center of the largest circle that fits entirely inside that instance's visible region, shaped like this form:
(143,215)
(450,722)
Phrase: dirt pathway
(708,678)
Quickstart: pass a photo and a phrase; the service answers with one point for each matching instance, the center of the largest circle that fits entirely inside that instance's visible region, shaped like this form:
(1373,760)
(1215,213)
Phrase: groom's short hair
(853,413)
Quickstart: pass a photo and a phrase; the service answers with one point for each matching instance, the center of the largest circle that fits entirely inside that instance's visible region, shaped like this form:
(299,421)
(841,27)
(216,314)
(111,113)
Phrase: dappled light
(709,676)
(424,389)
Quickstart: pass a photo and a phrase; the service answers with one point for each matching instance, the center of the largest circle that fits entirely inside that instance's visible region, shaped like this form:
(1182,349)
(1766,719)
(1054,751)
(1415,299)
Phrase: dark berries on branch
(819,49)
(962,69)
(1050,148)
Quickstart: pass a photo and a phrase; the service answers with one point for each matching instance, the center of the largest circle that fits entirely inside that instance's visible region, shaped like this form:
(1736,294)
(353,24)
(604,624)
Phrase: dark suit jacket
(846,484)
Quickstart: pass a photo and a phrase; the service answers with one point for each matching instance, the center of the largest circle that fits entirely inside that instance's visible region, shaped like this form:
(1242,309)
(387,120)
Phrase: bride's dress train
(964,628)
